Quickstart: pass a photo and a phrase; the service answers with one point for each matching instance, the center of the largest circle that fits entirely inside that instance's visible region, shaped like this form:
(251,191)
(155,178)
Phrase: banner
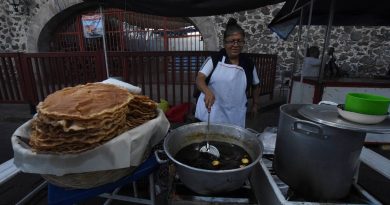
(92,26)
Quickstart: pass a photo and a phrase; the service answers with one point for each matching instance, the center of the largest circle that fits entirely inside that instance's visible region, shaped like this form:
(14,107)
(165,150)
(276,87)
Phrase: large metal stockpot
(315,160)
(204,181)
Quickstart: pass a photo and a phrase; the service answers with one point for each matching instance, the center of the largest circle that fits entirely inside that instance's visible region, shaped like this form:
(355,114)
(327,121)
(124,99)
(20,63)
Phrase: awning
(186,8)
(346,13)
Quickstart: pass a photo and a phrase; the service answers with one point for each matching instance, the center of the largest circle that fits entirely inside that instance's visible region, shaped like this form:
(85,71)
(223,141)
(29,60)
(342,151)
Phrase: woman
(311,63)
(224,96)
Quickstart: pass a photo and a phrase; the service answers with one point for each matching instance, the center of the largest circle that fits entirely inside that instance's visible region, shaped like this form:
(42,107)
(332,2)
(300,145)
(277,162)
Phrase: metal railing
(30,77)
(128,31)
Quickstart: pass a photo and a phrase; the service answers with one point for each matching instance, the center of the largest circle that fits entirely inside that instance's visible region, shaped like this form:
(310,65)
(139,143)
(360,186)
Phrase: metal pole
(306,45)
(104,42)
(326,42)
(296,56)
(32,193)
(308,26)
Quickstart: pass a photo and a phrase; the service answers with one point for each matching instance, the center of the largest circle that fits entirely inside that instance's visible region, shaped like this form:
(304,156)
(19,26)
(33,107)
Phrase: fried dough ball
(215,163)
(245,160)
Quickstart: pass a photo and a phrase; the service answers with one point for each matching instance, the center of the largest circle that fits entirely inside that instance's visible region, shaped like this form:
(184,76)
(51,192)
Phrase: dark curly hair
(232,27)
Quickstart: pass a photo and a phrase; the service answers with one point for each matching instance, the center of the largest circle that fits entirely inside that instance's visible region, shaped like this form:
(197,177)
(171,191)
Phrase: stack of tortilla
(141,109)
(80,118)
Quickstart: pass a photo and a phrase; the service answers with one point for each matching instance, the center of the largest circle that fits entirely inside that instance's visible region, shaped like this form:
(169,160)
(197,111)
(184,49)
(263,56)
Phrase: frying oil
(231,156)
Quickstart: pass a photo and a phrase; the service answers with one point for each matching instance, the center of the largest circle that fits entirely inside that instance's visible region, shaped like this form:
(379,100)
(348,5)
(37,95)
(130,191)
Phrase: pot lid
(328,115)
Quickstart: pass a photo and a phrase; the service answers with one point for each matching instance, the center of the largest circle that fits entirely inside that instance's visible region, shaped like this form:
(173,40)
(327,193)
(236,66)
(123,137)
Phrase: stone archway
(208,31)
(39,21)
(50,14)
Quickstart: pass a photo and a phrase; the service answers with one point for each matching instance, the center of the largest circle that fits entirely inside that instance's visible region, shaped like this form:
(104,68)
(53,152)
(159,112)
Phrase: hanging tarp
(347,13)
(92,26)
(186,8)
(286,20)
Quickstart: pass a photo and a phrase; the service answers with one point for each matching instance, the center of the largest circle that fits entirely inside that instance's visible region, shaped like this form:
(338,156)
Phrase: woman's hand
(209,99)
(255,102)
(254,109)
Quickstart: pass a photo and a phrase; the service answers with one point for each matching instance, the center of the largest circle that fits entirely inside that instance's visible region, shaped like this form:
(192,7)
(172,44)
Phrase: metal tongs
(210,149)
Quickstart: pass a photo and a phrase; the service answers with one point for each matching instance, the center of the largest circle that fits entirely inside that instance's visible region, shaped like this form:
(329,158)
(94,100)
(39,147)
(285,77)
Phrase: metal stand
(59,195)
(271,190)
(181,195)
(32,193)
(135,199)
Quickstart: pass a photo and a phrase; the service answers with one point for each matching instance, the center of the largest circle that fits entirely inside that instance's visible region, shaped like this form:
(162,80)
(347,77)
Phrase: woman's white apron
(228,84)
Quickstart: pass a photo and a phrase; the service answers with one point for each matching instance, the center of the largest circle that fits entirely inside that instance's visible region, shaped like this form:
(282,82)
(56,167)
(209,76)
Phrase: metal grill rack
(179,194)
(269,189)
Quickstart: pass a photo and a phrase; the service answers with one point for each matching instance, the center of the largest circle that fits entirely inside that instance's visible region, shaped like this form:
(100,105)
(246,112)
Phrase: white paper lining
(131,88)
(123,151)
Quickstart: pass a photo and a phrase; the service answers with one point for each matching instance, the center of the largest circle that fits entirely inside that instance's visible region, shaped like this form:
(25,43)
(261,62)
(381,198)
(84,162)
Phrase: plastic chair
(59,195)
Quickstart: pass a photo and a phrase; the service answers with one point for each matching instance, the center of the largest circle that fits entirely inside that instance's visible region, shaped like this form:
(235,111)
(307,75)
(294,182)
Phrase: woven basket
(89,179)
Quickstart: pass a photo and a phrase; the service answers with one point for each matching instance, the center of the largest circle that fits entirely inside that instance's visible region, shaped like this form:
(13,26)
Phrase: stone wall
(361,51)
(13,29)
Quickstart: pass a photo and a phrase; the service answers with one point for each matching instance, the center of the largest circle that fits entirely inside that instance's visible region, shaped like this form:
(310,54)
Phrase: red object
(177,114)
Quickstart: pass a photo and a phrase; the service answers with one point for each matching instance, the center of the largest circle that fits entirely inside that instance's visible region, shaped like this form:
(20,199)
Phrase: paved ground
(12,116)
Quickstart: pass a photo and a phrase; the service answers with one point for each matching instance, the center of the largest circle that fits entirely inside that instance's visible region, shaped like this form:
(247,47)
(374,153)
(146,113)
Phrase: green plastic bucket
(365,103)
